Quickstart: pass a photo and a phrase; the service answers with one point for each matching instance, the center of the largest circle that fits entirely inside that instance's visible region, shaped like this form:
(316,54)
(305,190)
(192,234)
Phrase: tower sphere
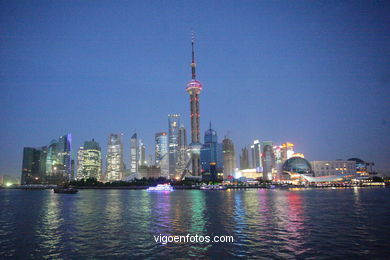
(194,85)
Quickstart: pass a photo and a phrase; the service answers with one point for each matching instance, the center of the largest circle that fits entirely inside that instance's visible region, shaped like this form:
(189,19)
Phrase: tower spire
(193,65)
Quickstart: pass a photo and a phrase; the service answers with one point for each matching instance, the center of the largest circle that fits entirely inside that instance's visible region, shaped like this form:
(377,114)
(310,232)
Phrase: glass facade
(115,166)
(211,151)
(298,165)
(161,153)
(173,132)
(89,161)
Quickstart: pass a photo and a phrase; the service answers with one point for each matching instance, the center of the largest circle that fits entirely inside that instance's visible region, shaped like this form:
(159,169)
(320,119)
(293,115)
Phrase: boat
(67,190)
(161,187)
(213,187)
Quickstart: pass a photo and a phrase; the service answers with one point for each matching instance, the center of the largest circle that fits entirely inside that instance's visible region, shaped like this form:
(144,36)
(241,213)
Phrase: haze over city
(313,73)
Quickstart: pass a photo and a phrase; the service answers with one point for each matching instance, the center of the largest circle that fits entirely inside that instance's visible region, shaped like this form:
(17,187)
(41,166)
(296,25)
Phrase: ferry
(161,187)
(67,190)
(213,187)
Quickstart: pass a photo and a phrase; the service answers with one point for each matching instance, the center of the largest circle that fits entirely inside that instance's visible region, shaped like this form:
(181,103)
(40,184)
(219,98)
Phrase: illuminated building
(161,153)
(134,154)
(59,161)
(194,87)
(173,146)
(142,156)
(256,155)
(183,151)
(229,158)
(244,159)
(211,151)
(287,151)
(115,166)
(363,169)
(267,159)
(89,161)
(327,168)
(297,168)
(33,166)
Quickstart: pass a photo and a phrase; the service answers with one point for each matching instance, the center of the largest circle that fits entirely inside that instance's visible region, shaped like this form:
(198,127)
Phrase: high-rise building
(194,87)
(229,159)
(134,154)
(59,161)
(182,159)
(115,165)
(256,154)
(287,151)
(89,161)
(173,132)
(142,155)
(244,159)
(161,153)
(211,151)
(33,169)
(267,159)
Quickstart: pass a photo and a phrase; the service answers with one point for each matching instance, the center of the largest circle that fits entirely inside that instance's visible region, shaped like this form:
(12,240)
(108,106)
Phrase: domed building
(297,165)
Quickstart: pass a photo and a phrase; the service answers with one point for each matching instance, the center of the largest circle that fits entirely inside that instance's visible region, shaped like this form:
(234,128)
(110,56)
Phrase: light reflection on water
(264,223)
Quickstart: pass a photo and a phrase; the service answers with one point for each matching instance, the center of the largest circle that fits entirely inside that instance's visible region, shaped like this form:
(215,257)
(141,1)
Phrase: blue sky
(313,73)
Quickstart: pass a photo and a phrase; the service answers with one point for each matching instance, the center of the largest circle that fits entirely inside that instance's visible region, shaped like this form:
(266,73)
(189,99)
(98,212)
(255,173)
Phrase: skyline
(105,75)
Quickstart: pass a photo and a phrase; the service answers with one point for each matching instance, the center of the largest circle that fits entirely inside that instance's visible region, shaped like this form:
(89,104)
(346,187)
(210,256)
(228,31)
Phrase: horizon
(123,67)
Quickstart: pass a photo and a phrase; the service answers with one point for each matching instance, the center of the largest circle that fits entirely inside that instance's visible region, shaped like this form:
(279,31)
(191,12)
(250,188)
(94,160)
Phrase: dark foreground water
(313,223)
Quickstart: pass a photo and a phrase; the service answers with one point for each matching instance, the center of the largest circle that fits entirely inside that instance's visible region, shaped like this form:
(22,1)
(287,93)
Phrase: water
(279,224)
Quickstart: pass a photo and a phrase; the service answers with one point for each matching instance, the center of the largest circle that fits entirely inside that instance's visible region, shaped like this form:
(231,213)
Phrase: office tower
(211,151)
(161,153)
(182,159)
(252,161)
(33,166)
(257,156)
(287,151)
(89,161)
(229,159)
(244,159)
(59,161)
(278,163)
(267,159)
(134,154)
(114,157)
(142,156)
(173,131)
(194,87)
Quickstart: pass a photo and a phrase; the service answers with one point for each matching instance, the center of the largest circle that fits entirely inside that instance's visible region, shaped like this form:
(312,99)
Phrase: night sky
(315,73)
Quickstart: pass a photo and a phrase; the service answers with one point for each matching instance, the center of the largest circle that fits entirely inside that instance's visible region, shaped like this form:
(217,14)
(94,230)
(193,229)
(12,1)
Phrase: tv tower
(194,87)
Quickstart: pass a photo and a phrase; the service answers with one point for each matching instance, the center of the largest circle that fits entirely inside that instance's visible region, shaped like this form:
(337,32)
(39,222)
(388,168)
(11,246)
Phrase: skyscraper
(194,87)
(211,152)
(142,156)
(257,156)
(182,147)
(33,168)
(229,159)
(173,131)
(268,160)
(244,159)
(89,163)
(161,153)
(59,161)
(134,154)
(115,166)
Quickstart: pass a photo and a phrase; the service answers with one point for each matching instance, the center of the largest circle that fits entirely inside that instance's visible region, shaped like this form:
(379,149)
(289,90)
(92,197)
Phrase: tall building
(256,155)
(244,159)
(161,153)
(115,165)
(142,155)
(33,167)
(59,161)
(229,159)
(182,159)
(194,87)
(287,151)
(267,159)
(211,152)
(173,132)
(89,161)
(134,154)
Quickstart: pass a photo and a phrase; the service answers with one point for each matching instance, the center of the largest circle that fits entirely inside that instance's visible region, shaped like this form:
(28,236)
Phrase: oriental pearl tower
(194,87)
